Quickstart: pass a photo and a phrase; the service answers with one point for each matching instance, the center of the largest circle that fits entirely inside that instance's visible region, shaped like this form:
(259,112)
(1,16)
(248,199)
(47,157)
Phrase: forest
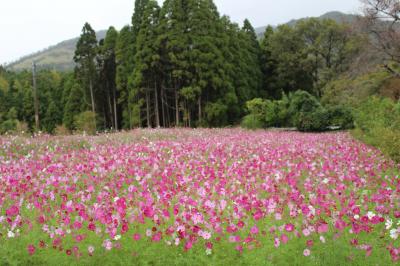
(183,64)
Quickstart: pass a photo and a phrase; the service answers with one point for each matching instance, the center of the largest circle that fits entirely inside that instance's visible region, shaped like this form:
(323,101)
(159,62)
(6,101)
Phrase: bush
(377,123)
(86,122)
(315,121)
(301,102)
(216,114)
(341,116)
(252,122)
(61,130)
(300,109)
(376,112)
(8,126)
(21,128)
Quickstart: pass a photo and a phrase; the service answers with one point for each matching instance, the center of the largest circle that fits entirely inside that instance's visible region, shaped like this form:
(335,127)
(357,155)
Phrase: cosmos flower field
(197,197)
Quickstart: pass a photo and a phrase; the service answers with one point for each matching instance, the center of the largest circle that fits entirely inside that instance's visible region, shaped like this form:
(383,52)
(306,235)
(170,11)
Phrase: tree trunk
(200,112)
(156,105)
(93,104)
(163,106)
(110,109)
(176,108)
(148,108)
(115,108)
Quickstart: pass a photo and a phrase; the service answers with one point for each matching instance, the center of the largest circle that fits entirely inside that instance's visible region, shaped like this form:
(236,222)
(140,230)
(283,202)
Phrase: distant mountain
(334,15)
(59,56)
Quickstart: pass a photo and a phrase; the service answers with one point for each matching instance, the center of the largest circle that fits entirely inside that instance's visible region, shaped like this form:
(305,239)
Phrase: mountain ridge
(60,56)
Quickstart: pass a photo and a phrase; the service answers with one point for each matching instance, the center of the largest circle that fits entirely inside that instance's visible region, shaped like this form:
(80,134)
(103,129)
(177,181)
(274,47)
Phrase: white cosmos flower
(208,252)
(10,234)
(394,234)
(117,237)
(388,224)
(356,216)
(370,215)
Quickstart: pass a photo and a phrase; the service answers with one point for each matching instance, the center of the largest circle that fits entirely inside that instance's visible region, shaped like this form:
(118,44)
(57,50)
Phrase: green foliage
(74,106)
(252,121)
(313,121)
(378,123)
(307,55)
(86,122)
(52,118)
(216,114)
(377,113)
(183,64)
(299,109)
(10,124)
(301,102)
(351,91)
(257,106)
(341,116)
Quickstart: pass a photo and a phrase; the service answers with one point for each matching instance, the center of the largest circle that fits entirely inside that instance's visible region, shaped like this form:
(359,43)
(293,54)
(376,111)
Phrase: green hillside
(58,57)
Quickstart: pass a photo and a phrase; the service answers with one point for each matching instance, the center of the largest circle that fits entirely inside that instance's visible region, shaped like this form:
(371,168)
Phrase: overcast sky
(27,26)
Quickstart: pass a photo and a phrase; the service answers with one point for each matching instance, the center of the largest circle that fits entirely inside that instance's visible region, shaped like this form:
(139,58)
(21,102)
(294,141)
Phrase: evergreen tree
(124,53)
(75,105)
(252,53)
(147,61)
(269,66)
(85,54)
(107,77)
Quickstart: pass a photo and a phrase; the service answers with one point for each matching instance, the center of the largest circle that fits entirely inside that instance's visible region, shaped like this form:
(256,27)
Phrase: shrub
(301,102)
(252,122)
(8,126)
(257,106)
(341,116)
(315,121)
(21,128)
(86,122)
(378,123)
(61,130)
(376,112)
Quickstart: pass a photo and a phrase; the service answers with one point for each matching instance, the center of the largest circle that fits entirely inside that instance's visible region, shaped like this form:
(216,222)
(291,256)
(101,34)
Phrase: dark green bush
(8,126)
(300,109)
(301,102)
(315,121)
(252,122)
(341,116)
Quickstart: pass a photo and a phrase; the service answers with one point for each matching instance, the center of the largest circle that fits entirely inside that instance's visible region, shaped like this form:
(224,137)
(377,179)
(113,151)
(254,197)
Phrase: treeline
(181,64)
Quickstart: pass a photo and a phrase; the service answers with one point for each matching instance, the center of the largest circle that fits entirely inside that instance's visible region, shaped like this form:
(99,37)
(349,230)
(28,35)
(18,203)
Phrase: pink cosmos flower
(136,237)
(31,249)
(12,211)
(306,252)
(322,228)
(254,230)
(284,238)
(107,244)
(289,227)
(306,232)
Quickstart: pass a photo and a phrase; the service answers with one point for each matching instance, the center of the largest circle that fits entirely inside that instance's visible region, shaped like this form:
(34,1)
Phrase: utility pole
(35,98)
